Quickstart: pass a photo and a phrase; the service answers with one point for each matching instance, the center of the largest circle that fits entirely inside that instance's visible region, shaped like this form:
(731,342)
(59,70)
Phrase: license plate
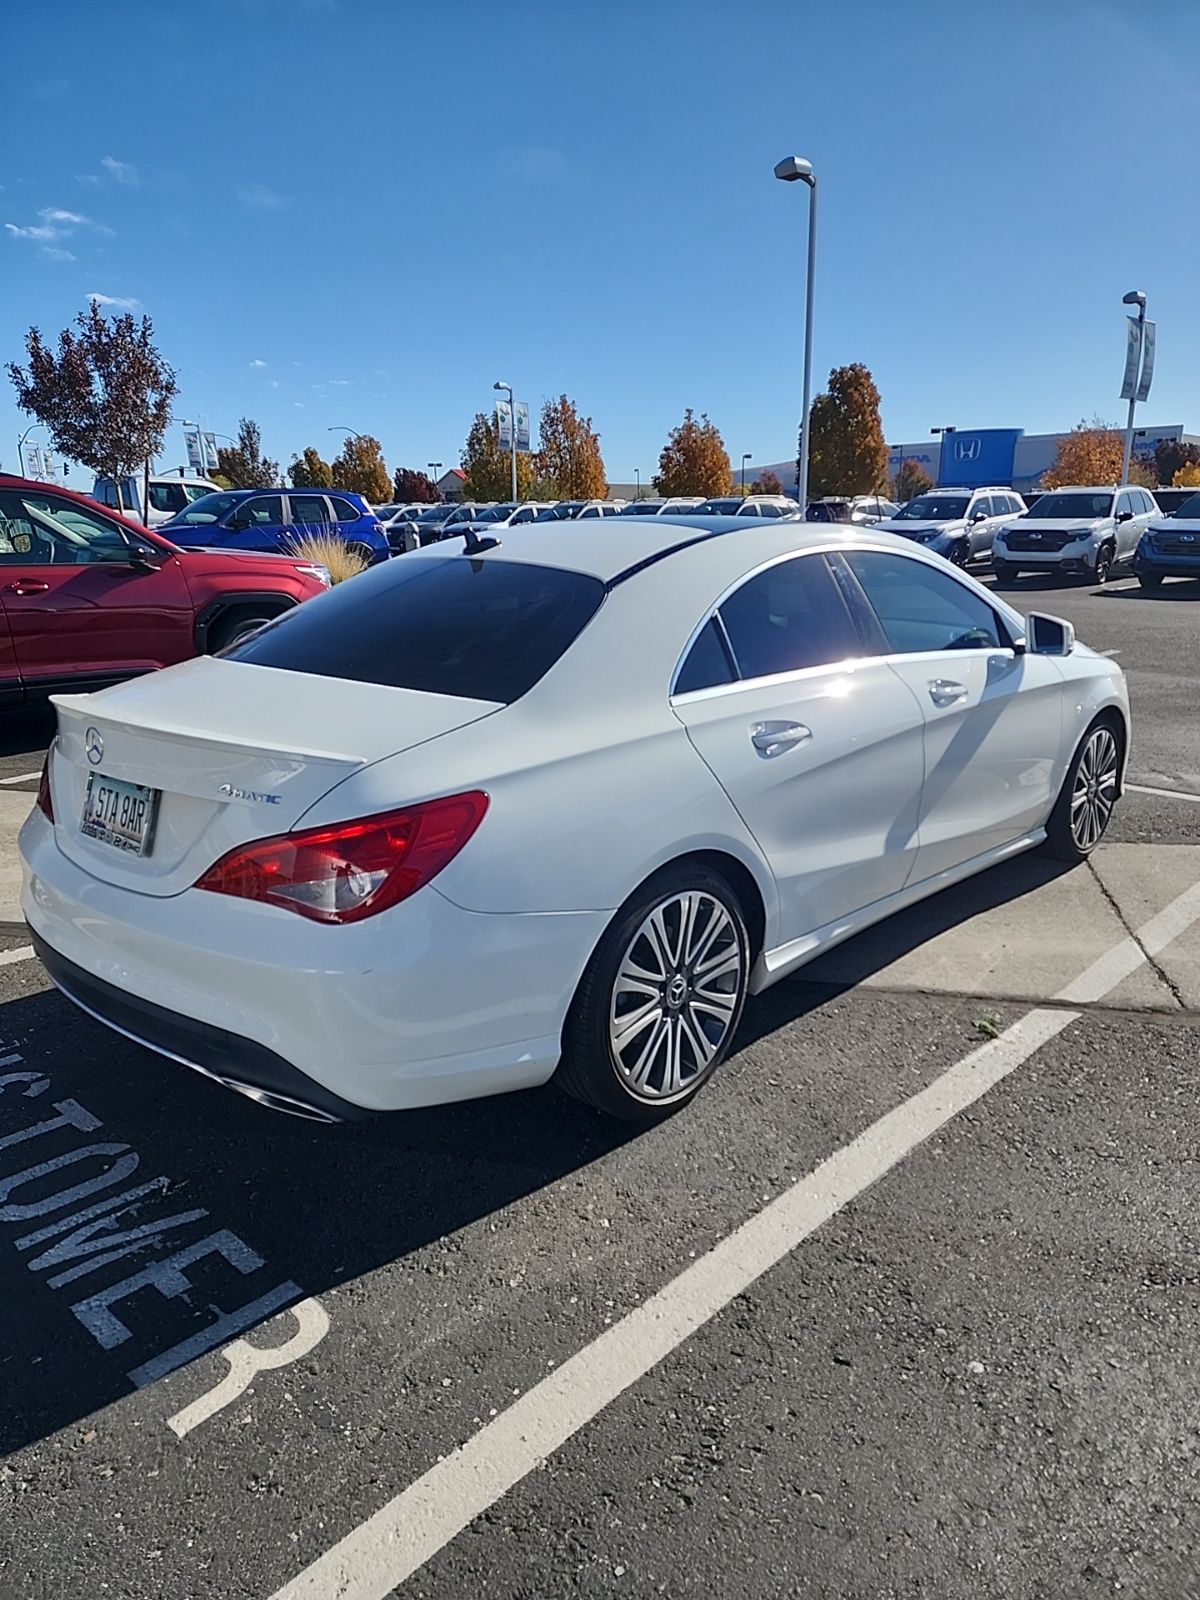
(120,814)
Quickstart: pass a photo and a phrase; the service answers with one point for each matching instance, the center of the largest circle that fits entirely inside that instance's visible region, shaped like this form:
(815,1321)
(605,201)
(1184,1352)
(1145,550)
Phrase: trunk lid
(236,752)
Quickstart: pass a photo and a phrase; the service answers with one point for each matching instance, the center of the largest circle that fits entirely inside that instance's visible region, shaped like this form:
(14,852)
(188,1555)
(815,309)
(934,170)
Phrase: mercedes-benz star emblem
(93,745)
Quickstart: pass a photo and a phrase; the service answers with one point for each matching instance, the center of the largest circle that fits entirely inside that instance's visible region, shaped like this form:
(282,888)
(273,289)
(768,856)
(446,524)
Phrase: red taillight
(43,802)
(352,869)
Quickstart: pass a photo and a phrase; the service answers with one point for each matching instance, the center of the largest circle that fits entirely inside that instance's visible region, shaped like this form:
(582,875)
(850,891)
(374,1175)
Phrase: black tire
(1004,570)
(1150,580)
(1066,840)
(231,629)
(1104,563)
(678,1031)
(960,554)
(364,553)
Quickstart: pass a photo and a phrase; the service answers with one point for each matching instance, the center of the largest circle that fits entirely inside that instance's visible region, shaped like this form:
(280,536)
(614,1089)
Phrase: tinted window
(264,511)
(707,663)
(477,629)
(168,497)
(770,511)
(1074,507)
(719,508)
(309,510)
(39,529)
(344,511)
(920,608)
(788,617)
(984,503)
(1189,509)
(209,508)
(106,493)
(933,508)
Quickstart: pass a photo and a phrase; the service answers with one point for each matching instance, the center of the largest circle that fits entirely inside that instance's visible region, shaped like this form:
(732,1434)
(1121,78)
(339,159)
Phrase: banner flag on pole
(1143,389)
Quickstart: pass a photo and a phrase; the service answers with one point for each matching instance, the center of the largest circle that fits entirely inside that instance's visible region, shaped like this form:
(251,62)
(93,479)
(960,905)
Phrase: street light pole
(791,169)
(350,431)
(1137,298)
(745,458)
(434,468)
(512,431)
(637,478)
(32,428)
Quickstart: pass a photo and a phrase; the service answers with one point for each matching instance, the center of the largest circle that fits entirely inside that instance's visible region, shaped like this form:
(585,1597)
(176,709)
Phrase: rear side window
(478,630)
(344,511)
(788,617)
(707,663)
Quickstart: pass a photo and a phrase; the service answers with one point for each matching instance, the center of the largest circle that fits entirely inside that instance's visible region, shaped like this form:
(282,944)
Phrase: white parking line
(378,1555)
(23,952)
(1167,794)
(22,777)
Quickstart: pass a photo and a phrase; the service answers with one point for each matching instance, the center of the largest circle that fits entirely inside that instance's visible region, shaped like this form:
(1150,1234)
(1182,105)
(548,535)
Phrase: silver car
(1085,531)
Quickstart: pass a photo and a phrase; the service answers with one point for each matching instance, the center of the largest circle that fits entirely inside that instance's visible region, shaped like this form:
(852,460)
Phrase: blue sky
(362,212)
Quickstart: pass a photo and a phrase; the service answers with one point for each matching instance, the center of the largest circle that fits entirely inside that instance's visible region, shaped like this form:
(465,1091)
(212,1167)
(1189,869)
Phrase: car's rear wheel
(363,551)
(1104,563)
(1089,792)
(1004,570)
(231,629)
(660,1000)
(1150,580)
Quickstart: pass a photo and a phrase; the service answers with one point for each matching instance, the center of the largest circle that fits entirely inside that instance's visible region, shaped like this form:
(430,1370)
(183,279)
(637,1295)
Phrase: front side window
(790,616)
(920,608)
(984,503)
(39,529)
(475,629)
(168,497)
(264,511)
(309,510)
(208,508)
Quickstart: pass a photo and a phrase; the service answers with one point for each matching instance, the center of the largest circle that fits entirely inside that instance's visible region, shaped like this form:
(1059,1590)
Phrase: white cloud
(57,214)
(257,363)
(259,198)
(32,233)
(116,301)
(340,383)
(52,252)
(120,171)
(299,404)
(56,224)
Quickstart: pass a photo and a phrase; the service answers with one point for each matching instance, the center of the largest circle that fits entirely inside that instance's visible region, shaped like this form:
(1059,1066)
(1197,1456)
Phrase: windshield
(209,508)
(435,514)
(1189,508)
(476,629)
(719,508)
(640,508)
(560,513)
(496,514)
(934,508)
(1064,507)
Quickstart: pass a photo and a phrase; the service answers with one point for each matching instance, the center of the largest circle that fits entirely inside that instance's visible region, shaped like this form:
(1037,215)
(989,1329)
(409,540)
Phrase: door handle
(31,586)
(773,738)
(946,692)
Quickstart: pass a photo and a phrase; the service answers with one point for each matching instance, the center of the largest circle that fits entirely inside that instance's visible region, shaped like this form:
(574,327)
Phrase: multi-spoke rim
(1095,790)
(676,995)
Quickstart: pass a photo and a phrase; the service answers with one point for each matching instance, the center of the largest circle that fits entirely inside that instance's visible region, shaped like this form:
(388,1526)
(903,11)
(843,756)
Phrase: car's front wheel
(233,630)
(960,553)
(1089,792)
(660,999)
(1150,580)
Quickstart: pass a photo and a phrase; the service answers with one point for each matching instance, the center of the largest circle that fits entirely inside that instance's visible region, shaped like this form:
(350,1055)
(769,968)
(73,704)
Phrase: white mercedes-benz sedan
(550,805)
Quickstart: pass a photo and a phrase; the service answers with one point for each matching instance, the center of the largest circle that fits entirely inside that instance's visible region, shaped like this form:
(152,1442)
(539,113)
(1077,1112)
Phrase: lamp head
(793,167)
(1135,297)
(499,385)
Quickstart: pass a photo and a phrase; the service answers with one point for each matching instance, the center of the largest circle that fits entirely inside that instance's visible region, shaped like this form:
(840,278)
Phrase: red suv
(88,597)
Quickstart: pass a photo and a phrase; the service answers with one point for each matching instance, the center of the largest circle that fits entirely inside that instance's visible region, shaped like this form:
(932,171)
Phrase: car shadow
(27,731)
(309,1208)
(1187,589)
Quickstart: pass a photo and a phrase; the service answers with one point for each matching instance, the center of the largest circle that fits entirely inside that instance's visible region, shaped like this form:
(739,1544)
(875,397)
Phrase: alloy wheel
(1103,566)
(678,990)
(1095,789)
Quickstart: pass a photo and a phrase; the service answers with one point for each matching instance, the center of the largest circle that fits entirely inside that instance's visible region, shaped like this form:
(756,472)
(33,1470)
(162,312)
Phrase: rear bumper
(424,1004)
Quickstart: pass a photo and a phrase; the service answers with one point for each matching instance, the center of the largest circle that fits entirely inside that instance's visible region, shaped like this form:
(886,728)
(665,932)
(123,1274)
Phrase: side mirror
(979,516)
(144,555)
(1048,636)
(1124,516)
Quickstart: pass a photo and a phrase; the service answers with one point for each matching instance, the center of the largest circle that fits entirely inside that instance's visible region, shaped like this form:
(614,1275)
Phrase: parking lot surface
(905,1305)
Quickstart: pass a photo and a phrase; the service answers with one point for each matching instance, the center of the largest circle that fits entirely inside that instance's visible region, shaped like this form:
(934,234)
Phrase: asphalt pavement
(905,1305)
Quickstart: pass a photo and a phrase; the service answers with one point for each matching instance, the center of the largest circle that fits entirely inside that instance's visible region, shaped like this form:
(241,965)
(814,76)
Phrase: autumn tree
(1187,477)
(767,484)
(910,481)
(488,468)
(694,459)
(104,397)
(1091,453)
(569,457)
(309,471)
(361,469)
(410,487)
(244,464)
(847,453)
(1170,455)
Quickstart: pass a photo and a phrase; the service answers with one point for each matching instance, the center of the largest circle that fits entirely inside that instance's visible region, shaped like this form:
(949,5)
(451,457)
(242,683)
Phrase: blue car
(1170,547)
(273,519)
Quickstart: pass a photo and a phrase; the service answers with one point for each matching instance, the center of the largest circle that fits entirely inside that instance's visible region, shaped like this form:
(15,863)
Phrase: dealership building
(970,457)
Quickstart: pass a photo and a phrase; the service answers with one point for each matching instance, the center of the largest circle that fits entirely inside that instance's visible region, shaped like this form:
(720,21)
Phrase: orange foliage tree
(694,459)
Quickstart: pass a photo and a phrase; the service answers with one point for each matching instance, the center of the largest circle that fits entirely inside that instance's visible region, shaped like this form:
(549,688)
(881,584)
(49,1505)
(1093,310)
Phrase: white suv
(959,524)
(753,505)
(1084,531)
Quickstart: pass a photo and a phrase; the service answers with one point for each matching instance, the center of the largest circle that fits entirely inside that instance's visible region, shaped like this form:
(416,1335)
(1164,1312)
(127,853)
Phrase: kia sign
(973,457)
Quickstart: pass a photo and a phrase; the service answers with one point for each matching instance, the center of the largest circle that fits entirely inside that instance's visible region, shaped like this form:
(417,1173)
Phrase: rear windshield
(478,630)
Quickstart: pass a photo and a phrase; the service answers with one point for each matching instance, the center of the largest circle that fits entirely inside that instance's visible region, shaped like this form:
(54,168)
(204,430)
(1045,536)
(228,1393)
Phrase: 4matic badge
(259,798)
